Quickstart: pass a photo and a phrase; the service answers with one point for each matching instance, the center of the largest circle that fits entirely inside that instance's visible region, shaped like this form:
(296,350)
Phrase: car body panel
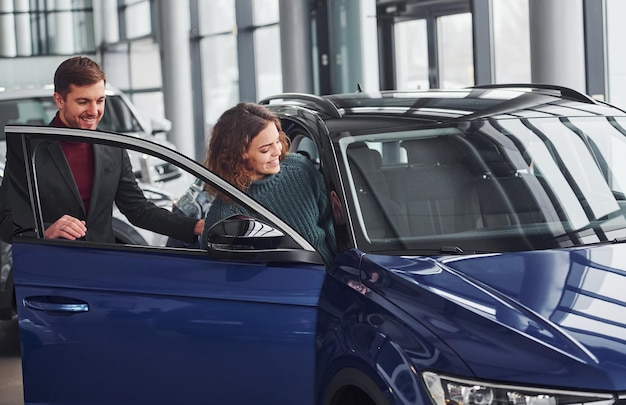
(209,327)
(556,310)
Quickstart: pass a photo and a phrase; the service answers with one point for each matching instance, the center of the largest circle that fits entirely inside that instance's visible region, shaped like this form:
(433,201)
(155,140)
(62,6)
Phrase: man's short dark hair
(78,71)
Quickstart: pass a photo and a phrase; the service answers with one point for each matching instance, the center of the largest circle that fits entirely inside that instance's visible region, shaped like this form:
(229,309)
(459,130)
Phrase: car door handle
(55,304)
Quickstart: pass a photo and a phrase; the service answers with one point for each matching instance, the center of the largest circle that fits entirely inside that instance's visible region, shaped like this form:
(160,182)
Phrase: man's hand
(66,227)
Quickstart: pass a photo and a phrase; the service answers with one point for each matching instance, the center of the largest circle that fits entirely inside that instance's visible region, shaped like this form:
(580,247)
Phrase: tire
(125,233)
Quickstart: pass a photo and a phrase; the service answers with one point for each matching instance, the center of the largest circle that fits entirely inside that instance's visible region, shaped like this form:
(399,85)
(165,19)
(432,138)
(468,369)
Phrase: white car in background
(35,106)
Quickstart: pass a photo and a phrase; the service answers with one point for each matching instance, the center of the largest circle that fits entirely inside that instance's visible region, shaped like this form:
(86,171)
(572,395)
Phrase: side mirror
(247,239)
(240,232)
(160,125)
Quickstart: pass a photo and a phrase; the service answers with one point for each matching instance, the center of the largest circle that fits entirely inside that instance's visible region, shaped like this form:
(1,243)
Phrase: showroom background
(189,60)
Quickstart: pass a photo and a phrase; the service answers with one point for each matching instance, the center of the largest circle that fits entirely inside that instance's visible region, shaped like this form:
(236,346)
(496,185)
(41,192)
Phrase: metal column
(557,47)
(295,44)
(176,66)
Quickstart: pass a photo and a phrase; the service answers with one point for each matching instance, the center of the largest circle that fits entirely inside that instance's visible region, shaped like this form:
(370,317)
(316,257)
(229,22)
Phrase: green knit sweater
(296,194)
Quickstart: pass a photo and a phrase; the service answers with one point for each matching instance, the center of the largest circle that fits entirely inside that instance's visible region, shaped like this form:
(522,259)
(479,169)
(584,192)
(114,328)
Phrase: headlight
(445,390)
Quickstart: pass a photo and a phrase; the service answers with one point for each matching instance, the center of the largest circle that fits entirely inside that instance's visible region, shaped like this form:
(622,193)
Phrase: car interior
(450,190)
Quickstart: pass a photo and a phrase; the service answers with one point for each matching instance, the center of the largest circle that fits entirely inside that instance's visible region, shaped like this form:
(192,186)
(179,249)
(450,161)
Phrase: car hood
(531,317)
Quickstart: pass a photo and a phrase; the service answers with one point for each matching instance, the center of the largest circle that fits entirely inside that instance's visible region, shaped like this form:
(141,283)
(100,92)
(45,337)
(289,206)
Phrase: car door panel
(174,327)
(110,323)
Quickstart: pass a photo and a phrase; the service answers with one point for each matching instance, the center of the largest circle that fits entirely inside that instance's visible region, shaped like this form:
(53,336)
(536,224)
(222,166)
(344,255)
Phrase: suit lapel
(58,157)
(97,176)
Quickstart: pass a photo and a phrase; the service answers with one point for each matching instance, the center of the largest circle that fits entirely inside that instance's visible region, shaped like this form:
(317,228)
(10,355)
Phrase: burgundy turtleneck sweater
(80,157)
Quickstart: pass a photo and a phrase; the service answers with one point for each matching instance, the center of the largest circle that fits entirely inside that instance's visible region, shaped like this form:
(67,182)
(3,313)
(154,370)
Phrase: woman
(249,150)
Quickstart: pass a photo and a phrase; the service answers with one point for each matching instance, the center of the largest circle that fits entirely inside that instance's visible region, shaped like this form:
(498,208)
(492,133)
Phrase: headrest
(367,159)
(8,111)
(436,150)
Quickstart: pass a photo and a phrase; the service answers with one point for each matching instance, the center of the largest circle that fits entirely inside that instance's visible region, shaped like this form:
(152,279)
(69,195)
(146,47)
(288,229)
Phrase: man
(80,182)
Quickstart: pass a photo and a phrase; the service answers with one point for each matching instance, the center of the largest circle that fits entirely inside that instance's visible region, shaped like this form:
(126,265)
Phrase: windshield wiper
(442,250)
(451,250)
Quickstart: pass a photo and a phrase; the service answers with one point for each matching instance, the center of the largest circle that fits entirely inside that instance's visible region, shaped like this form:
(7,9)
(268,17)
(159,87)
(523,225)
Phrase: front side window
(236,240)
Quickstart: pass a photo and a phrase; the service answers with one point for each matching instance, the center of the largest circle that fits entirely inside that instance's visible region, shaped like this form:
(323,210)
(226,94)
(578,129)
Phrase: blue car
(480,261)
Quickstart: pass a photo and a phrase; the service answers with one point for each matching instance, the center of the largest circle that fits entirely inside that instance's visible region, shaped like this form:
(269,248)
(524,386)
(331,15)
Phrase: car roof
(374,109)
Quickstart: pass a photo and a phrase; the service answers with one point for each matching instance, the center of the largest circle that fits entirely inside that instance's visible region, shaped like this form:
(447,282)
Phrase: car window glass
(304,145)
(574,153)
(544,162)
(184,194)
(612,148)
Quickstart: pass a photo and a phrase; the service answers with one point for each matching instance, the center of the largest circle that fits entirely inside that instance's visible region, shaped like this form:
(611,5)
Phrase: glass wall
(453,46)
(224,32)
(42,28)
(511,41)
(450,46)
(411,50)
(218,50)
(455,50)
(133,61)
(616,57)
(137,18)
(353,48)
(267,54)
(238,47)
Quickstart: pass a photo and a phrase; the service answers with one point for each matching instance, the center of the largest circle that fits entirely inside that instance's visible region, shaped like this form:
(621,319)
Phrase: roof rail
(566,92)
(310,100)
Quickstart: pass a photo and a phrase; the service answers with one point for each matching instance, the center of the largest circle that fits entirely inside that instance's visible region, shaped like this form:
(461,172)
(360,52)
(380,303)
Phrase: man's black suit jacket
(113,181)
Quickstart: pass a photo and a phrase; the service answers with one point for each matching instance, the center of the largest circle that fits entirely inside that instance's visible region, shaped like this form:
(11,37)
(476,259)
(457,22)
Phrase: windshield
(489,186)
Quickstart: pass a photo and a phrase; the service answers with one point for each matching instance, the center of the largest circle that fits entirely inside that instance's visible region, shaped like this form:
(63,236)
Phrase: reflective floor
(10,365)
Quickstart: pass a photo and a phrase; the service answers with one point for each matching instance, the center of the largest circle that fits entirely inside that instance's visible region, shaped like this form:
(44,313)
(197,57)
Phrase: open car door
(113,323)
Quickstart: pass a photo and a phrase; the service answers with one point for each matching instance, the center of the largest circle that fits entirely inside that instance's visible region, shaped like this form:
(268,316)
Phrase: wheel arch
(125,233)
(352,386)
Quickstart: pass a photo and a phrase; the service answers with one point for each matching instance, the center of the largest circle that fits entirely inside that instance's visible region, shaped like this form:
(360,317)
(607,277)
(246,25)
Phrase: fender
(362,354)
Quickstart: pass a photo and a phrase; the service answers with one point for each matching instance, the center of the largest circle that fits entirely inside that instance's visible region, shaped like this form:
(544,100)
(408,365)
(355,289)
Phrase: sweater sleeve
(311,204)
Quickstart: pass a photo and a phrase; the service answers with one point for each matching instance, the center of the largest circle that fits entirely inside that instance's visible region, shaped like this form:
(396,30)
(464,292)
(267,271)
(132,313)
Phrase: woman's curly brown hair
(230,138)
